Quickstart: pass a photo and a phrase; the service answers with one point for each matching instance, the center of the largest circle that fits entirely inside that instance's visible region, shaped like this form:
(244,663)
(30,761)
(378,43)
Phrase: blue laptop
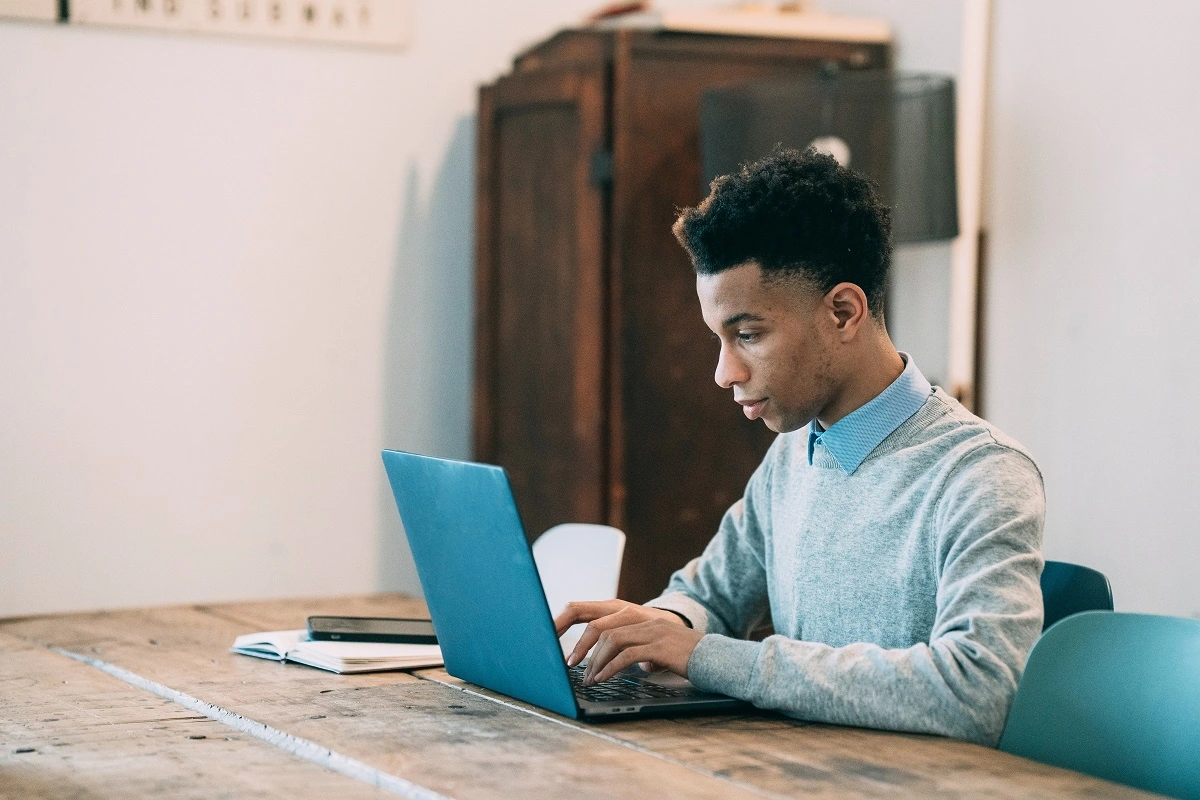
(487,603)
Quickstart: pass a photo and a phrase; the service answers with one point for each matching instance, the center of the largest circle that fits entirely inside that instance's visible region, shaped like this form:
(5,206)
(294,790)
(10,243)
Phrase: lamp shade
(897,128)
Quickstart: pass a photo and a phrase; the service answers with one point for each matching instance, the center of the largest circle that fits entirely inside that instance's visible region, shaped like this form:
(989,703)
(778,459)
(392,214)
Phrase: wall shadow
(428,339)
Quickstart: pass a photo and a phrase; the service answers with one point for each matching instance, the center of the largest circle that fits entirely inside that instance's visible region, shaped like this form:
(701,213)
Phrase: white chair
(578,561)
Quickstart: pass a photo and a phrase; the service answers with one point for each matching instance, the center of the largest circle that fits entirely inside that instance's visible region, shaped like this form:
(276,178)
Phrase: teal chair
(1069,588)
(1116,696)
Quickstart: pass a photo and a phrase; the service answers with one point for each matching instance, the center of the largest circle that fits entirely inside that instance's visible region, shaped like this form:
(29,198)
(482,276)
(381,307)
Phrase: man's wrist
(690,612)
(684,619)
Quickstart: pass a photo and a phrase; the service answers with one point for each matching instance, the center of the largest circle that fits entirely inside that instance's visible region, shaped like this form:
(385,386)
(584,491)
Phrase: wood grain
(67,730)
(437,737)
(789,757)
(451,737)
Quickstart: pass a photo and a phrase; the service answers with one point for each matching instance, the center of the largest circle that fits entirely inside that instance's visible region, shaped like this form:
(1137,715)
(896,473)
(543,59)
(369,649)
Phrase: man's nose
(730,369)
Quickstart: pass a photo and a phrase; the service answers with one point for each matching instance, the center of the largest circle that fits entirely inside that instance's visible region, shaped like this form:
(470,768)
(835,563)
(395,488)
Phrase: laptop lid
(479,578)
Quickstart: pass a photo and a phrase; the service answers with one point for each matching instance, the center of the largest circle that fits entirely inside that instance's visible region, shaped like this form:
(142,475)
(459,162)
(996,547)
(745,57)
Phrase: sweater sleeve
(724,590)
(989,614)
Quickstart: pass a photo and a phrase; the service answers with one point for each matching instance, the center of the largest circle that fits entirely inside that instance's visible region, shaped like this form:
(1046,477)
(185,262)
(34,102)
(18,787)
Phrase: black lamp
(897,128)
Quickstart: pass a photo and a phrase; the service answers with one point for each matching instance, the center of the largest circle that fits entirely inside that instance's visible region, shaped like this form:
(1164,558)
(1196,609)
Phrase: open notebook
(337,657)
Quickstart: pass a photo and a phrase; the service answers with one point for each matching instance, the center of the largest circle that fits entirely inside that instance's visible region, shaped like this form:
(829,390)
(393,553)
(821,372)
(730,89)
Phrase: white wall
(1092,287)
(230,272)
(927,38)
(1091,189)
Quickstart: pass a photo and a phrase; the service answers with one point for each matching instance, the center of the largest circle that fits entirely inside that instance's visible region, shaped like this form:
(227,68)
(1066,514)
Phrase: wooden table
(151,702)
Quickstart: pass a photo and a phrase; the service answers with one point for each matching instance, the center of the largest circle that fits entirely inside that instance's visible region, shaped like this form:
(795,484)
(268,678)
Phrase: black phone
(371,629)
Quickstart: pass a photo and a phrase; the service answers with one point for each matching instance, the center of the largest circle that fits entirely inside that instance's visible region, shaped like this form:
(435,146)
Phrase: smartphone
(371,629)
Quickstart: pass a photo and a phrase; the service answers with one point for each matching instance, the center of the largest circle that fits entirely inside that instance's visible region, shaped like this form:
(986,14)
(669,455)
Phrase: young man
(891,537)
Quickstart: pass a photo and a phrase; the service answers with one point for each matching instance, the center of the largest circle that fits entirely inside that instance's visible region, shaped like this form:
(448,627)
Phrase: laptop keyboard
(622,688)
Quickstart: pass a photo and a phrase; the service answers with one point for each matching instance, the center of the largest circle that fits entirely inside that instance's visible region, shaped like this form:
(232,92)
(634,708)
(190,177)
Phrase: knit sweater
(904,596)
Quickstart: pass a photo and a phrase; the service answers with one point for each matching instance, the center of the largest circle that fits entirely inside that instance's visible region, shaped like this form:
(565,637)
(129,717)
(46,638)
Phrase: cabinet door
(540,256)
(681,449)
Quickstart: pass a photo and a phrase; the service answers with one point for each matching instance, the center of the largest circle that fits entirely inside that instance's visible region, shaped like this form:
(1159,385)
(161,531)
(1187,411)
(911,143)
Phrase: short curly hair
(794,214)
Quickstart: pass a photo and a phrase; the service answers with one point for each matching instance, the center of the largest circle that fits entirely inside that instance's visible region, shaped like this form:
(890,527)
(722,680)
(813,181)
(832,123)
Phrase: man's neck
(875,369)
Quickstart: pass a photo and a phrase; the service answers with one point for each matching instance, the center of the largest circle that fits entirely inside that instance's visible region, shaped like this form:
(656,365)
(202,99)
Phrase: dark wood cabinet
(593,373)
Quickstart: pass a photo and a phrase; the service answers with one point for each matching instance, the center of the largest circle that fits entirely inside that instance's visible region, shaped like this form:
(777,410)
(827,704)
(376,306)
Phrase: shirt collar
(853,437)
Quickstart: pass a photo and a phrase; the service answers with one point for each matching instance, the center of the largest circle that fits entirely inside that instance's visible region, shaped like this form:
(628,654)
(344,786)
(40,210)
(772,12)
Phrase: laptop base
(636,693)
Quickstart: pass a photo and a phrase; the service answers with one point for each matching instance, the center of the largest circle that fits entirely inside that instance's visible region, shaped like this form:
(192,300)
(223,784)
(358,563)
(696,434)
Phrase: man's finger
(586,641)
(625,658)
(584,612)
(591,634)
(574,613)
(613,642)
(606,647)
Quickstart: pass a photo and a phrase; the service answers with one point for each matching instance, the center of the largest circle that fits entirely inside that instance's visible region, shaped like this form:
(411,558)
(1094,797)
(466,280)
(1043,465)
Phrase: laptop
(487,604)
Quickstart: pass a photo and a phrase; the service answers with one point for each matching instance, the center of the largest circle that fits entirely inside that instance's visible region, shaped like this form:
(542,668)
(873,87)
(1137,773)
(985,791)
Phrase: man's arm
(989,614)
(722,591)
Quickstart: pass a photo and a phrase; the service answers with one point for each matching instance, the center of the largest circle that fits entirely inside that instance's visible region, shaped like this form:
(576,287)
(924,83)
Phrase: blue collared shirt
(852,438)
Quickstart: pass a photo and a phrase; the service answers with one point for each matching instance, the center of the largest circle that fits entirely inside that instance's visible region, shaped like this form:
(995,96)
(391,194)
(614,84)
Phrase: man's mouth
(752,408)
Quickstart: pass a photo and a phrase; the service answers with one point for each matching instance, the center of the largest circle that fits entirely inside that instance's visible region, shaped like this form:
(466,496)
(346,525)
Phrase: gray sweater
(904,596)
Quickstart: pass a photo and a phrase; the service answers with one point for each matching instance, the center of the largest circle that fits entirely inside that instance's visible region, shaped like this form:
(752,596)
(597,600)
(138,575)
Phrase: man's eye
(749,338)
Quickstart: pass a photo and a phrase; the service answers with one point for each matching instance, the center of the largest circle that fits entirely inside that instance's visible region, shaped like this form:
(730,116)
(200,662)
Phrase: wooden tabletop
(151,702)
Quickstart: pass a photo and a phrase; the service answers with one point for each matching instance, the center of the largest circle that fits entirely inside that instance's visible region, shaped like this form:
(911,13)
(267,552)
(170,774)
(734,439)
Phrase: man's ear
(847,304)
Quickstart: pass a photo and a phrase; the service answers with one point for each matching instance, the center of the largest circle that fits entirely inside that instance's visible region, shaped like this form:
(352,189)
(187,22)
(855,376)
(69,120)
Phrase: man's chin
(774,424)
(782,425)
(780,422)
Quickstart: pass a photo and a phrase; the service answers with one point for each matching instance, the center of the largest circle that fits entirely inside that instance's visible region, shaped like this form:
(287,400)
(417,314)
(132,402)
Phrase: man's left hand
(618,642)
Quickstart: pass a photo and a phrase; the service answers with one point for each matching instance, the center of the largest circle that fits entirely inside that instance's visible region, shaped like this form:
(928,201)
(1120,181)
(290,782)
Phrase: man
(891,537)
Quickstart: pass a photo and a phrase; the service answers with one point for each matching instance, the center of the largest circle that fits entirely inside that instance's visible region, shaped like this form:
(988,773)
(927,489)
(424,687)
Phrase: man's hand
(623,634)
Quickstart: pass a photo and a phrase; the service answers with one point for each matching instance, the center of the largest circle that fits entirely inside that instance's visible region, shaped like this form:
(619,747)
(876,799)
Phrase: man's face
(775,352)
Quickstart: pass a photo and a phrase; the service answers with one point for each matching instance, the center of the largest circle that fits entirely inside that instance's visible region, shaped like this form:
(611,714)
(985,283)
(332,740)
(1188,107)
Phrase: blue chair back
(1069,588)
(1116,696)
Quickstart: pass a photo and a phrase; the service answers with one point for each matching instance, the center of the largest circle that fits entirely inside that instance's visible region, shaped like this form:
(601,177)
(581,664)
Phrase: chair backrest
(1069,588)
(578,561)
(1116,696)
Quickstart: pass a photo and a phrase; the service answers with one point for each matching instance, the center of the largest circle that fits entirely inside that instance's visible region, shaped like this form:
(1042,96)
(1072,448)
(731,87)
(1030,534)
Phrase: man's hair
(795,214)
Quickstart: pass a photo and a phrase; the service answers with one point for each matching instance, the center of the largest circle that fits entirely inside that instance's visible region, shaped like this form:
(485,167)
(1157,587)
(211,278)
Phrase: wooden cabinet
(593,373)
